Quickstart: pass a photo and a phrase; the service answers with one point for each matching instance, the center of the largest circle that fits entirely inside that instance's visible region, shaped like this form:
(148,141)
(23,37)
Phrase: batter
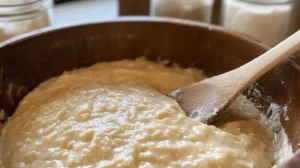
(117,115)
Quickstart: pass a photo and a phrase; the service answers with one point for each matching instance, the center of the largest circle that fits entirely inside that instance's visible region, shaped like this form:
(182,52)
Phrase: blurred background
(268,21)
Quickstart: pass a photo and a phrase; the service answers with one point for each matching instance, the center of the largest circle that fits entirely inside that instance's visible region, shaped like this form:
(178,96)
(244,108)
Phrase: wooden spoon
(207,99)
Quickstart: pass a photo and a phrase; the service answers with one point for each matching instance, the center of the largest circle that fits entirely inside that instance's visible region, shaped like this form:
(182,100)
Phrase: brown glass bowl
(30,59)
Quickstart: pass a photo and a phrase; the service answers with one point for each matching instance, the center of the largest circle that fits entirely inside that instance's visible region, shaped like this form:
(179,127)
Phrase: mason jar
(22,16)
(265,20)
(198,10)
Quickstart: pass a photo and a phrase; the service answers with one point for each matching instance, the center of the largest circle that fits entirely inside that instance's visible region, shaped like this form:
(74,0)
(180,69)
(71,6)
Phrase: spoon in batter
(208,99)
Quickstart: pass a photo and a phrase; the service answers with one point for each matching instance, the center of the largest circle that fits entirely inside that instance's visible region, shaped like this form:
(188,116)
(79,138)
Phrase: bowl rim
(141,19)
(176,21)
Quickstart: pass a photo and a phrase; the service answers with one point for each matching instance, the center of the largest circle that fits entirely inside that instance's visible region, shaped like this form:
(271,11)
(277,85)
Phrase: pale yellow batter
(116,115)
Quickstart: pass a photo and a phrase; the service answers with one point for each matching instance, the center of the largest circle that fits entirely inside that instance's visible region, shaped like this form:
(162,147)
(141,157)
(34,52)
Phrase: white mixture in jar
(117,115)
(22,16)
(198,10)
(264,20)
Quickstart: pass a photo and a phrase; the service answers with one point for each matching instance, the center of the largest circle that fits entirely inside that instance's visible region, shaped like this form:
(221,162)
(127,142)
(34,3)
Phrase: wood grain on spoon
(207,99)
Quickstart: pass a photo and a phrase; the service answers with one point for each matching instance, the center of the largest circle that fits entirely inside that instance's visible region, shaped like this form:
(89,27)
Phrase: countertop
(84,10)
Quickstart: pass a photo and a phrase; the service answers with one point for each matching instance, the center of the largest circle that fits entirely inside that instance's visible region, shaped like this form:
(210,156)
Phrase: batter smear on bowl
(116,114)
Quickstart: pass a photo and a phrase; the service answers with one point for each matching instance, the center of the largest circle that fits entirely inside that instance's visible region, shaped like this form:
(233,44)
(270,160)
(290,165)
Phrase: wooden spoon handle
(270,59)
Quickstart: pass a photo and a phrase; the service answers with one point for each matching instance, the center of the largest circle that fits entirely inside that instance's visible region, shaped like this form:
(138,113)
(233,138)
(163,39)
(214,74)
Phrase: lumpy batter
(116,115)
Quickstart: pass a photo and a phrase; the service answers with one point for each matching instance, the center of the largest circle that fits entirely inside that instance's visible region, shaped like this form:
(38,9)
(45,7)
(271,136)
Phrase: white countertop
(84,10)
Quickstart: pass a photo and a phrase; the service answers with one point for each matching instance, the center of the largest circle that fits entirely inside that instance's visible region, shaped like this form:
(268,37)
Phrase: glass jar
(22,16)
(198,10)
(265,20)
